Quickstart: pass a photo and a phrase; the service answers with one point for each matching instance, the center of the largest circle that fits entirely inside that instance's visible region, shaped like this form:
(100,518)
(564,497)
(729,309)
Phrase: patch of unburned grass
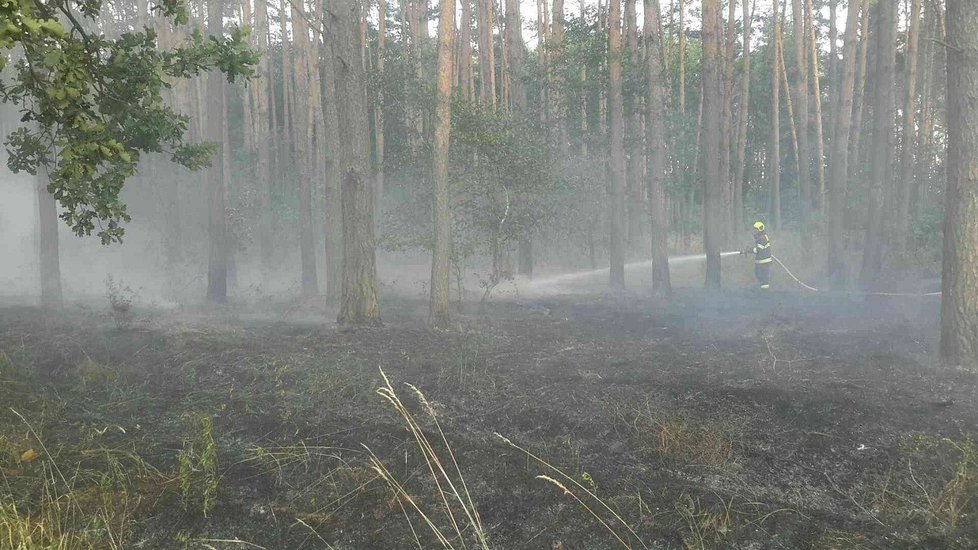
(694,442)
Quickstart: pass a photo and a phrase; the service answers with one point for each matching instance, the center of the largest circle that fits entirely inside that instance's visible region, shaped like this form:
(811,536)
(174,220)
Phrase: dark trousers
(763,274)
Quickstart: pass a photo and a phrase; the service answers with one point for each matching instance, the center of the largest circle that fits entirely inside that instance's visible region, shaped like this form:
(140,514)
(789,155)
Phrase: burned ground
(710,421)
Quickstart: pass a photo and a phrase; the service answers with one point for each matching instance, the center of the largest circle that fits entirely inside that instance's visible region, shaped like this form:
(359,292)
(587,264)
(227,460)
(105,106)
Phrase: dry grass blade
(576,484)
(571,494)
(450,488)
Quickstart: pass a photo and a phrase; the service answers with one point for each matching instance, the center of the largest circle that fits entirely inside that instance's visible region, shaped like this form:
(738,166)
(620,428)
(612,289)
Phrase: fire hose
(813,289)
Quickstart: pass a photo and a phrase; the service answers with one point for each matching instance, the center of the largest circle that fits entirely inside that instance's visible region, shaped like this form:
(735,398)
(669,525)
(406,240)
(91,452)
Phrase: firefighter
(762,255)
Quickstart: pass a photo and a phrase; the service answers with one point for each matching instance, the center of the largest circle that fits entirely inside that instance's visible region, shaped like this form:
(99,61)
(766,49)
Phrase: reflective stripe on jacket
(762,249)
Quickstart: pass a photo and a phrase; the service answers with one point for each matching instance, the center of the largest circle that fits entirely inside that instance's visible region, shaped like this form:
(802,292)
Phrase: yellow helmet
(759,226)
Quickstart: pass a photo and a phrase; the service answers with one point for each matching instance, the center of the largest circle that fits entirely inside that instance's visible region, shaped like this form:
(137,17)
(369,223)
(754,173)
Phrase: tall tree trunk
(358,304)
(738,204)
(840,150)
(635,164)
(287,130)
(304,125)
(909,122)
(712,106)
(774,153)
(617,162)
(884,118)
(728,139)
(801,111)
(959,305)
(217,265)
(655,128)
(440,281)
(818,193)
(934,54)
(682,56)
(259,88)
(48,250)
(487,53)
(557,101)
(465,52)
(331,141)
(514,53)
(789,107)
(379,141)
(855,166)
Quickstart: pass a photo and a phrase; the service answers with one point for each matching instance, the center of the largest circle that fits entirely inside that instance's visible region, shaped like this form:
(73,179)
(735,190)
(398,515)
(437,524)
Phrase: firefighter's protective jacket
(762,248)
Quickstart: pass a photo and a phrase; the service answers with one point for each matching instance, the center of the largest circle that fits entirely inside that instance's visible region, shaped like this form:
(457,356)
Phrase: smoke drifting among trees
(570,136)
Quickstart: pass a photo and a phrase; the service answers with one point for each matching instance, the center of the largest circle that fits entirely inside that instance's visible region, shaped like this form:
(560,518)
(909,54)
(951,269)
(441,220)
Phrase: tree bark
(259,88)
(379,141)
(774,153)
(217,264)
(331,141)
(909,122)
(617,144)
(862,75)
(959,304)
(441,256)
(682,56)
(635,163)
(712,106)
(801,112)
(304,124)
(655,115)
(557,101)
(465,52)
(287,130)
(358,303)
(840,151)
(743,118)
(487,54)
(818,193)
(884,131)
(728,139)
(48,248)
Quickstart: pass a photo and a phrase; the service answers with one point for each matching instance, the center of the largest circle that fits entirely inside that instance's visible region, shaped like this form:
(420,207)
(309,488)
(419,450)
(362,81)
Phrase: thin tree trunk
(909,121)
(379,140)
(617,165)
(738,205)
(774,161)
(832,67)
(440,263)
(557,101)
(959,305)
(801,118)
(358,304)
(635,164)
(48,248)
(884,128)
(818,197)
(217,266)
(789,106)
(465,52)
(287,130)
(303,124)
(487,55)
(259,89)
(840,151)
(855,166)
(656,143)
(712,106)
(334,212)
(728,138)
(682,56)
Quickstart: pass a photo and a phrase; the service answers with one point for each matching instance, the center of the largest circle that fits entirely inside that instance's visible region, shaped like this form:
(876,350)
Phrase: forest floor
(734,420)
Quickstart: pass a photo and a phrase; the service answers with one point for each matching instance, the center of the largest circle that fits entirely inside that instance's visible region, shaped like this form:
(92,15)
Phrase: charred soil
(709,421)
